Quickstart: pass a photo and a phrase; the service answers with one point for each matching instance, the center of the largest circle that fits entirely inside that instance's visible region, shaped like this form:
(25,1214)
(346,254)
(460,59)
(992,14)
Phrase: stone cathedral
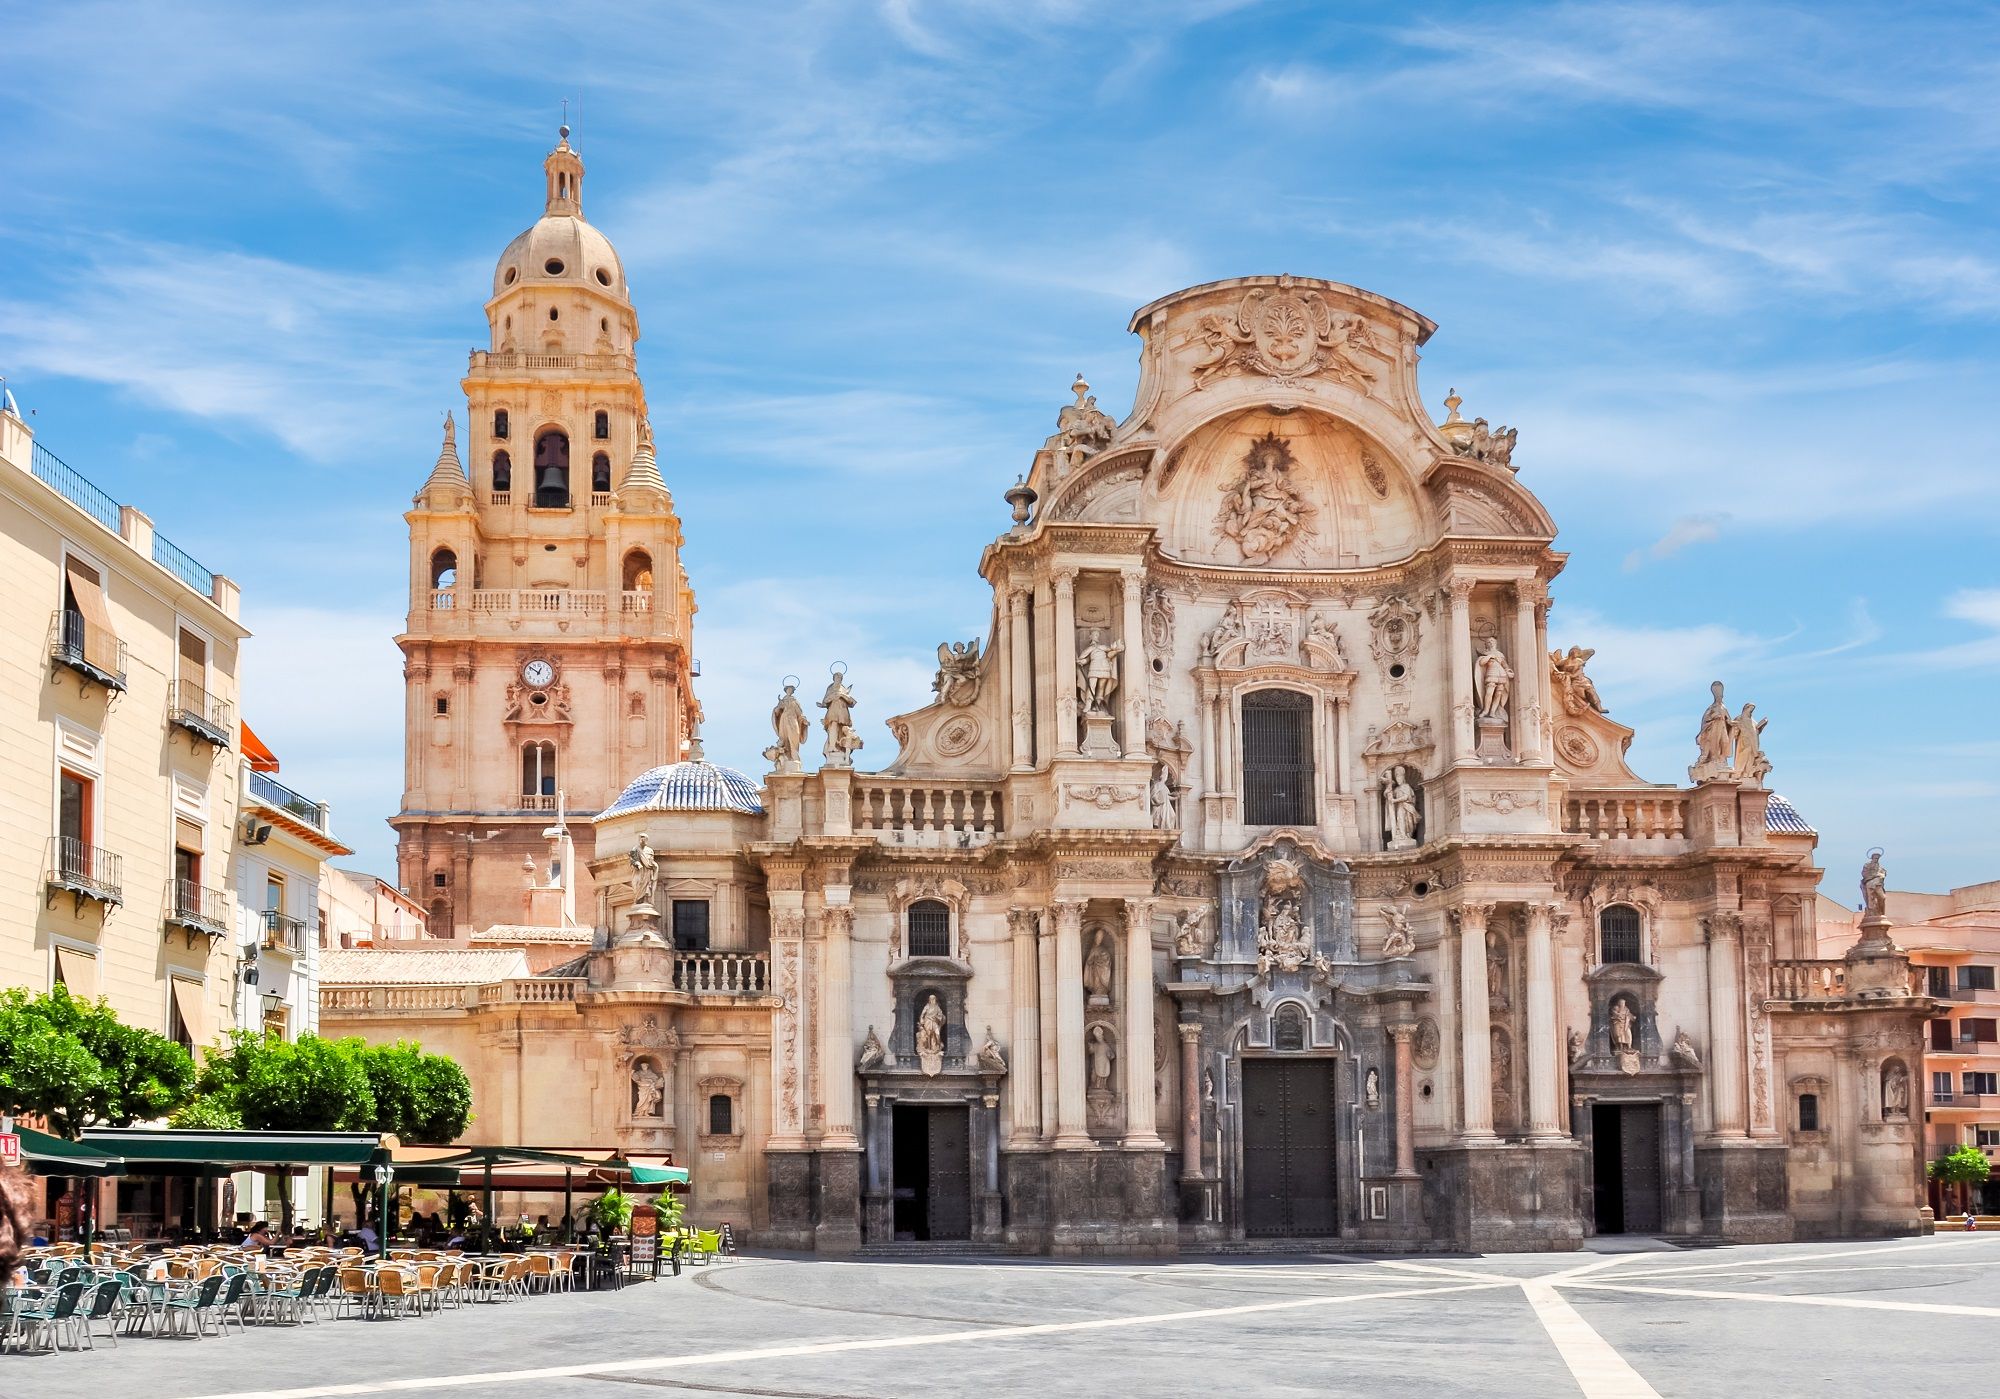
(1260,874)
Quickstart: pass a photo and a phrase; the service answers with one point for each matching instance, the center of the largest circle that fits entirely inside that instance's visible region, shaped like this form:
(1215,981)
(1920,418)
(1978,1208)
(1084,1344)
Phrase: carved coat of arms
(1283,333)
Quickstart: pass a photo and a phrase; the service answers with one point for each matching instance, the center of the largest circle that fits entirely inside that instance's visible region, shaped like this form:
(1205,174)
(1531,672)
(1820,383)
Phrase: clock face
(538,672)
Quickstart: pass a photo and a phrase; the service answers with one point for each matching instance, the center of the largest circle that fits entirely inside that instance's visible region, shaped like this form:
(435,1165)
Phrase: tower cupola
(565,171)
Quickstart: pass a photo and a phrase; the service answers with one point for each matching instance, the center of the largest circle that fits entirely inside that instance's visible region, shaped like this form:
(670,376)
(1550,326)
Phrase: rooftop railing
(274,793)
(69,483)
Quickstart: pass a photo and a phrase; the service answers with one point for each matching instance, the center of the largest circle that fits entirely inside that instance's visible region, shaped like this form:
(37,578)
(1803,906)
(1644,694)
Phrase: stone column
(788,1131)
(836,1027)
(1190,1032)
(1406,1101)
(1024,1076)
(1141,1126)
(1528,663)
(1543,1109)
(1132,675)
(1021,661)
(1070,1080)
(1064,644)
(1343,742)
(1725,1022)
(1475,1022)
(1046,1016)
(1459,669)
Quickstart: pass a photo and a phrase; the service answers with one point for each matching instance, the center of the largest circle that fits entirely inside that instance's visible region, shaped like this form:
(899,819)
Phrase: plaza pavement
(1872,1318)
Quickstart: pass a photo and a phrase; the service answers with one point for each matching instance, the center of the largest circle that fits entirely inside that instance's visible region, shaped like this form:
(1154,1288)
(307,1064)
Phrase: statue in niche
(1751,765)
(1684,1052)
(1895,1090)
(1262,511)
(1399,941)
(1874,885)
(1097,970)
(788,722)
(1399,805)
(1097,672)
(645,873)
(842,742)
(990,1058)
(1712,740)
(1503,1074)
(1284,936)
(1371,1088)
(1499,993)
(1577,690)
(872,1052)
(1191,933)
(1165,817)
(1622,1023)
(1102,1055)
(649,1090)
(957,681)
(930,1036)
(1495,680)
(1224,634)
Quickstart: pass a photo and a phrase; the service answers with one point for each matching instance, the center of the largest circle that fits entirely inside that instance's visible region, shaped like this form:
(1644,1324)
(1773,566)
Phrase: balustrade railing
(1615,816)
(190,706)
(197,908)
(540,991)
(926,813)
(511,359)
(1809,979)
(722,973)
(631,601)
(535,801)
(375,1000)
(88,871)
(284,933)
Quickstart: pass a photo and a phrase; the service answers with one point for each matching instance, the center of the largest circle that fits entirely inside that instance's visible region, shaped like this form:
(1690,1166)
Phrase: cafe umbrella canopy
(527,1167)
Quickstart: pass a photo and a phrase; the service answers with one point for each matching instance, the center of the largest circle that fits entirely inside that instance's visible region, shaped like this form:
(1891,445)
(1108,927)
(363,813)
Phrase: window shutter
(100,638)
(188,836)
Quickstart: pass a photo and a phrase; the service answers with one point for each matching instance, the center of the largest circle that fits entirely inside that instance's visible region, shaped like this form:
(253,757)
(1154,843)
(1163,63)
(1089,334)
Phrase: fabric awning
(48,1155)
(193,1010)
(149,1151)
(100,638)
(78,971)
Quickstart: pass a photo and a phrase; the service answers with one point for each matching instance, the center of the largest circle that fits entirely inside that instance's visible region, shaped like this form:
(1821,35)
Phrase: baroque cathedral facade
(1261,873)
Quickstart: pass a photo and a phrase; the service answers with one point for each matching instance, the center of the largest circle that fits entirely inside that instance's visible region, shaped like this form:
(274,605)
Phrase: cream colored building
(365,910)
(1258,873)
(118,683)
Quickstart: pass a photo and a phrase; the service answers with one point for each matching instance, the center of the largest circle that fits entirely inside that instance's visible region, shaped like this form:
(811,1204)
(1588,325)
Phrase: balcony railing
(91,651)
(1813,979)
(393,1000)
(1962,1100)
(274,793)
(926,813)
(501,498)
(536,991)
(284,933)
(600,497)
(534,801)
(722,973)
(85,871)
(190,706)
(633,601)
(509,359)
(1621,817)
(194,908)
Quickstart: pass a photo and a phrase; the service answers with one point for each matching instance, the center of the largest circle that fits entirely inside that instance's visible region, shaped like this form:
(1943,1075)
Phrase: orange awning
(262,759)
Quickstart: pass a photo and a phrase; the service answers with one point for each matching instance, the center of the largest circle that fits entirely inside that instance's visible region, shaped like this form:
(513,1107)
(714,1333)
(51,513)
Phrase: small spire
(564,169)
(1451,402)
(1081,388)
(645,468)
(448,472)
(694,753)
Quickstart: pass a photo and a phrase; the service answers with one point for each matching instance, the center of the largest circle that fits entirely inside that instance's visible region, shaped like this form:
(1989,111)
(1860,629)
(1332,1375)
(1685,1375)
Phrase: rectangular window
(1277,758)
(1977,1030)
(1975,978)
(274,892)
(1984,1136)
(1808,1112)
(691,925)
(193,674)
(1980,1082)
(1940,1034)
(1939,979)
(1940,1085)
(75,823)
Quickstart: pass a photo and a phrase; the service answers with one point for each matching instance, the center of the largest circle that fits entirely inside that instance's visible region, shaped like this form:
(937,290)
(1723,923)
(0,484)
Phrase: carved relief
(1262,511)
(1102,795)
(1283,334)
(1157,616)
(1321,645)
(957,680)
(1577,748)
(957,736)
(1398,631)
(1577,691)
(1428,1043)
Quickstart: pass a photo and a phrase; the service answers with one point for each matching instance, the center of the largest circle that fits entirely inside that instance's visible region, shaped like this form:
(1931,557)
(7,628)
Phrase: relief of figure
(1165,818)
(872,1052)
(1493,448)
(991,1060)
(1083,424)
(930,1036)
(1097,672)
(1399,803)
(1895,1090)
(1371,1089)
(1102,1055)
(1224,634)
(1284,937)
(645,873)
(1494,679)
(1751,764)
(957,681)
(649,1090)
(1399,941)
(842,741)
(1712,740)
(1684,1050)
(1322,644)
(1575,1046)
(1262,510)
(1622,1022)
(1097,969)
(1578,691)
(788,722)
(1874,884)
(1191,933)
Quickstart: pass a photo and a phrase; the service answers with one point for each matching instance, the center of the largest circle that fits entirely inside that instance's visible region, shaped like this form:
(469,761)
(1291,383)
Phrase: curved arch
(600,472)
(551,483)
(444,569)
(503,471)
(637,571)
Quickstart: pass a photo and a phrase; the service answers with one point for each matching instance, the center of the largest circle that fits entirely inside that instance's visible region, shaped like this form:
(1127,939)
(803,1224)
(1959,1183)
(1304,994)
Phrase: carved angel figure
(1083,423)
(1578,691)
(1751,764)
(1191,933)
(1399,941)
(990,1057)
(1684,1050)
(1575,1045)
(957,681)
(872,1052)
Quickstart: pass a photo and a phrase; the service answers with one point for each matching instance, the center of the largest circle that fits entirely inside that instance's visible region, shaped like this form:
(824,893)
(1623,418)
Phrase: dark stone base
(1508,1197)
(1744,1192)
(1024,1188)
(837,1187)
(1114,1202)
(790,1182)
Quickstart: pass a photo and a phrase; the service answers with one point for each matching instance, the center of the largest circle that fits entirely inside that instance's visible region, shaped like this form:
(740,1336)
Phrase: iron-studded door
(1639,1167)
(1288,1148)
(950,1193)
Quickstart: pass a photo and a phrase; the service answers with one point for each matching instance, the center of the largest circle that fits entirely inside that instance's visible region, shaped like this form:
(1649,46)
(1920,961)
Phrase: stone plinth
(1097,739)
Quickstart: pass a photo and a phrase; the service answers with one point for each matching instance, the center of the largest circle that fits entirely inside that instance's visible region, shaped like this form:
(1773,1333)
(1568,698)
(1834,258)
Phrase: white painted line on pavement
(1858,1303)
(1600,1371)
(730,1357)
(1878,1251)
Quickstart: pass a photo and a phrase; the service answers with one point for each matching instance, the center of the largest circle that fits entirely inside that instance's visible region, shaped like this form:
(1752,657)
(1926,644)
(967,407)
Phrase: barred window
(930,929)
(721,1115)
(1618,935)
(1277,758)
(1808,1112)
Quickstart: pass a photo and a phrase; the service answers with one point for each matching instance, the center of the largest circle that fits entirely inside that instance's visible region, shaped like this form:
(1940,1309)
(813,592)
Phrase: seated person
(258,1235)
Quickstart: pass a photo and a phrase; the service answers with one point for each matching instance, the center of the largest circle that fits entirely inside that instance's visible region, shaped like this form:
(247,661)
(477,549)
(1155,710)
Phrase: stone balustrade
(635,609)
(934,814)
(1614,816)
(1809,979)
(541,991)
(391,1000)
(722,973)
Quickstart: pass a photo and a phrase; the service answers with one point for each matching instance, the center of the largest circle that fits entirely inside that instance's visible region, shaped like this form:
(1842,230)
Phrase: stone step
(931,1248)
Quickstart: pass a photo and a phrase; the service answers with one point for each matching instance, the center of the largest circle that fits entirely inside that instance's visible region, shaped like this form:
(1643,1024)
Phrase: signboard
(10,1149)
(645,1236)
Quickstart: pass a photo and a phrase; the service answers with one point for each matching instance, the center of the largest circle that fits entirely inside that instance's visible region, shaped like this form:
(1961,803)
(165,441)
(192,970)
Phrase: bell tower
(546,653)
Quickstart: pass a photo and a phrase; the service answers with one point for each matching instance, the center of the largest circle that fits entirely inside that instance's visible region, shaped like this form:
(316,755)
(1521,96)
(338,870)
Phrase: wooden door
(1288,1148)
(949,1193)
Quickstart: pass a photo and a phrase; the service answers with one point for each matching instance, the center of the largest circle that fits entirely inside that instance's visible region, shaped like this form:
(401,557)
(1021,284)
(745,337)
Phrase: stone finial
(1451,402)
(644,472)
(1081,388)
(1021,496)
(448,472)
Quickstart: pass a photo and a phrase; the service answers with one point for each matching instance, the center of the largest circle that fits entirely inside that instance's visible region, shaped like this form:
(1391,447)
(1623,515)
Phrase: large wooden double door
(1625,1167)
(932,1165)
(1289,1170)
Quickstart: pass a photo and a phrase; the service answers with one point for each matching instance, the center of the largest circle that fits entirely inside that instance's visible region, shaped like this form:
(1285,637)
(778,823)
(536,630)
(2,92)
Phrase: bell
(552,480)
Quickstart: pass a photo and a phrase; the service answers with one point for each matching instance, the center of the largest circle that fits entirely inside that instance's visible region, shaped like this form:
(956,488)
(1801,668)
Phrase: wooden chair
(393,1291)
(355,1292)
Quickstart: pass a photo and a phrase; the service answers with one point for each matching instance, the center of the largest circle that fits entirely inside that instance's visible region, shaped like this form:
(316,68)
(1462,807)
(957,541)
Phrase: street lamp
(385,1175)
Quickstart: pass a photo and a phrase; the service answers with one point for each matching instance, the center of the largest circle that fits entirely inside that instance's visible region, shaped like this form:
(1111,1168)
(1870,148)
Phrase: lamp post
(385,1175)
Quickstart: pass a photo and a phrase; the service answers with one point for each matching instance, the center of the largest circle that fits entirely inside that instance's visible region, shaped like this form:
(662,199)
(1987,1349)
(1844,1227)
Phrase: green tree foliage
(311,1085)
(1964,1164)
(76,1065)
(420,1097)
(207,1114)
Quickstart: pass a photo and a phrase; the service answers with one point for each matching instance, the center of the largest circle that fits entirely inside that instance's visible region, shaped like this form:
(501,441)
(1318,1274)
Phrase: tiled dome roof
(695,785)
(1781,816)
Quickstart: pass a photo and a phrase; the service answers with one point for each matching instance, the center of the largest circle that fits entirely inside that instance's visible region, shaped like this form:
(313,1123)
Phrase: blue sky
(1731,270)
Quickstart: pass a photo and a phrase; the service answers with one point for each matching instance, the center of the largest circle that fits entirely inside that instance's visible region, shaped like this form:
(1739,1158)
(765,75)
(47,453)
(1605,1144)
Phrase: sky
(1731,270)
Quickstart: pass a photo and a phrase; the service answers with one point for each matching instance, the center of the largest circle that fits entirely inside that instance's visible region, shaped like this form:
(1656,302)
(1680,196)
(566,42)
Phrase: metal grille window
(1808,1112)
(930,929)
(721,1115)
(691,925)
(1277,758)
(1618,935)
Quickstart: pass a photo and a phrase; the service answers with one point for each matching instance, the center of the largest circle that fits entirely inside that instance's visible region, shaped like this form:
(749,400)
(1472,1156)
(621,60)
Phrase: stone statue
(1751,764)
(1575,1046)
(990,1058)
(1895,1090)
(1399,941)
(1284,936)
(1262,511)
(872,1052)
(1684,1050)
(1097,672)
(788,722)
(649,1090)
(842,742)
(957,681)
(1097,969)
(1577,690)
(1103,1055)
(1191,933)
(1495,680)
(930,1036)
(1622,1021)
(645,873)
(1223,634)
(1712,740)
(1165,818)
(1399,806)
(1875,885)
(1372,1088)
(1493,448)
(1082,423)
(1322,644)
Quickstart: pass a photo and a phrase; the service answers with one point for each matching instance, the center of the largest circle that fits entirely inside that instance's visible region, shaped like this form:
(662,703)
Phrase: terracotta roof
(1781,816)
(364,966)
(575,966)
(507,934)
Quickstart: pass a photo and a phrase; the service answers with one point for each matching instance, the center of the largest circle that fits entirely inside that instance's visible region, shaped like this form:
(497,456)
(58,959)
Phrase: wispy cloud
(1685,532)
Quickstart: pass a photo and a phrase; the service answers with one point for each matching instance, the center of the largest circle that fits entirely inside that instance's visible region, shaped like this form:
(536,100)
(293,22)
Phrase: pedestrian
(1971,1222)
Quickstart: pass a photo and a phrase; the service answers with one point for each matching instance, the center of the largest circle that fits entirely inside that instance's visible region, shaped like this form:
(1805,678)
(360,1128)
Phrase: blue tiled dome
(1781,816)
(695,785)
